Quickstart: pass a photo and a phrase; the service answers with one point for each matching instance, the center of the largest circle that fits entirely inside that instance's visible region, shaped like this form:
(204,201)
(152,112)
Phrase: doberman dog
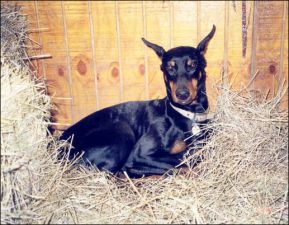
(148,137)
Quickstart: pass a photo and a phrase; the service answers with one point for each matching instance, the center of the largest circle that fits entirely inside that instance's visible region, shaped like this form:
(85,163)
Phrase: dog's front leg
(149,158)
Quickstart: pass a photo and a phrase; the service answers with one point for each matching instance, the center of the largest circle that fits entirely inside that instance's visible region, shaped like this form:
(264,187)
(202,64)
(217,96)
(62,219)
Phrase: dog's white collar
(196,117)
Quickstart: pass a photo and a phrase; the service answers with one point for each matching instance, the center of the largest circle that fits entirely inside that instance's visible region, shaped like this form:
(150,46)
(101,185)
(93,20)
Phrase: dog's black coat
(139,137)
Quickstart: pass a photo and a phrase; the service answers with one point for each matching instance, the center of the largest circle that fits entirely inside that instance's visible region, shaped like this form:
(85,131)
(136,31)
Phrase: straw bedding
(242,179)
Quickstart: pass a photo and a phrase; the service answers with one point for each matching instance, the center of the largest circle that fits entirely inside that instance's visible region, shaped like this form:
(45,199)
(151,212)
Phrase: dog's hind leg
(106,148)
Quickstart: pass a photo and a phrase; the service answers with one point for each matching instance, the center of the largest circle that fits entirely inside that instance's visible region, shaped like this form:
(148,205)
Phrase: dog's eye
(191,66)
(170,68)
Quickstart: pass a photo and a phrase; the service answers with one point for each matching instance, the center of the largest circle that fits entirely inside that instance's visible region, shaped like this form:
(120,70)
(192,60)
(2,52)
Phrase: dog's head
(184,73)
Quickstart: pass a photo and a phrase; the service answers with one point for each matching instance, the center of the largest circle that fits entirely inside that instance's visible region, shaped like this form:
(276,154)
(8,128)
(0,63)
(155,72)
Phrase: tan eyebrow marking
(190,62)
(171,63)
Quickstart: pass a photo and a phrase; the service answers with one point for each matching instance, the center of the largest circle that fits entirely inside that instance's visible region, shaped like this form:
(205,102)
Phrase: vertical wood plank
(215,52)
(283,73)
(50,17)
(28,8)
(254,44)
(92,38)
(106,53)
(268,34)
(226,44)
(145,50)
(41,69)
(83,84)
(171,16)
(131,47)
(239,67)
(185,24)
(120,62)
(198,21)
(158,29)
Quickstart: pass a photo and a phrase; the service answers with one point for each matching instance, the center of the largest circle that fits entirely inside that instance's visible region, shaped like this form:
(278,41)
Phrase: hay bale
(14,36)
(25,113)
(243,178)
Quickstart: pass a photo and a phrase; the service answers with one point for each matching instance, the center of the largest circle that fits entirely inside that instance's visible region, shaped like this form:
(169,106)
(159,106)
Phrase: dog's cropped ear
(202,46)
(158,49)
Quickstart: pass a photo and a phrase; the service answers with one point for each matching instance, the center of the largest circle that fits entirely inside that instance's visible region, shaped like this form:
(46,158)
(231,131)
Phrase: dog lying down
(145,138)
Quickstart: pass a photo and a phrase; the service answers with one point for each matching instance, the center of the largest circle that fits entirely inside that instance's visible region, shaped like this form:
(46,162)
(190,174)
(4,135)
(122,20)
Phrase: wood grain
(106,53)
(239,66)
(215,52)
(131,47)
(80,53)
(98,58)
(28,8)
(158,30)
(50,16)
(268,30)
(184,24)
(284,55)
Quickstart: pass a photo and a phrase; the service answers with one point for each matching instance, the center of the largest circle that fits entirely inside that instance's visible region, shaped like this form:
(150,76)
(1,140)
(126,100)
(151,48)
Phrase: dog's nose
(182,94)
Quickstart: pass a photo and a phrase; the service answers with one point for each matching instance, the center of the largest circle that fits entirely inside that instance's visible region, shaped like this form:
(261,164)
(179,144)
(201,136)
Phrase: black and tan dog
(147,137)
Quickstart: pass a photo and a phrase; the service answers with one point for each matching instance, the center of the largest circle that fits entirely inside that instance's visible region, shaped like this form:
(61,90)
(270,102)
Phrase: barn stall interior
(61,61)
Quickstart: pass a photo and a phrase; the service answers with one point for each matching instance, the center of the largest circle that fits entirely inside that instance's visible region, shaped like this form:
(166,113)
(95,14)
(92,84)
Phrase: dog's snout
(182,93)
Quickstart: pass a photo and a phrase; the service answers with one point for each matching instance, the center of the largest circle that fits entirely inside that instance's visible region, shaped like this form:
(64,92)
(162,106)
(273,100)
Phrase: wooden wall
(98,58)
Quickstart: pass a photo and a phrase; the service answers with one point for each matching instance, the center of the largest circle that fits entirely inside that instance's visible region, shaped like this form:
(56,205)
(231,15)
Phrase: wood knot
(81,67)
(115,72)
(60,71)
(272,69)
(141,69)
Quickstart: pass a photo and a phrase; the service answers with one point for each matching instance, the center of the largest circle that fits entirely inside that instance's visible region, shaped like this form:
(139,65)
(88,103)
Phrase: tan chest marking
(178,146)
